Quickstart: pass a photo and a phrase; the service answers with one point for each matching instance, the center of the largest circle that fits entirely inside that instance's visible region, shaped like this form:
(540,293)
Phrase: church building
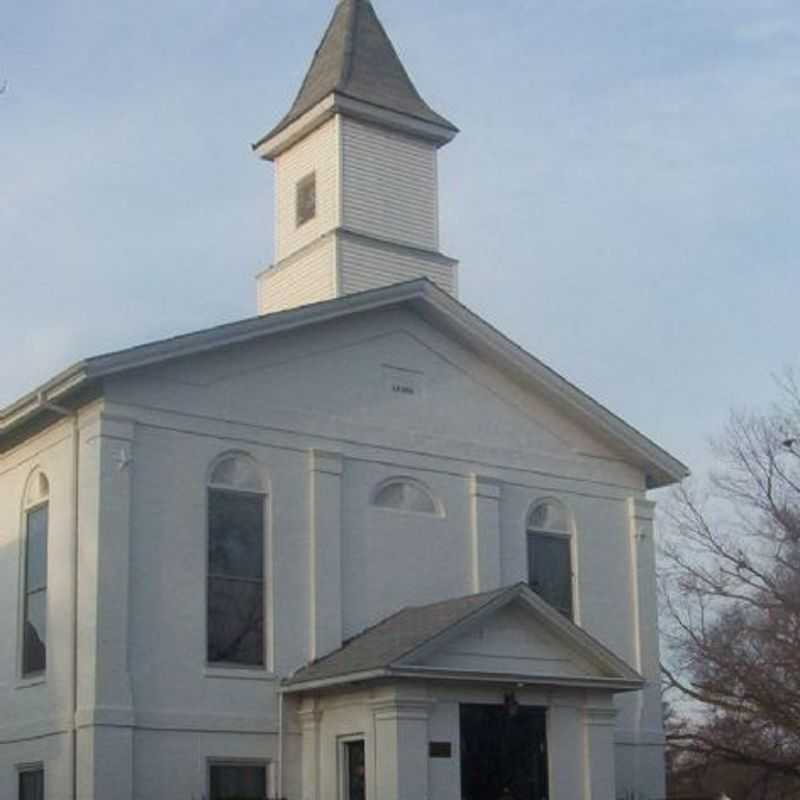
(360,546)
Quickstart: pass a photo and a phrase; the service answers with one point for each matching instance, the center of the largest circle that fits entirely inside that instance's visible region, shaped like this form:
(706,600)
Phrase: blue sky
(623,196)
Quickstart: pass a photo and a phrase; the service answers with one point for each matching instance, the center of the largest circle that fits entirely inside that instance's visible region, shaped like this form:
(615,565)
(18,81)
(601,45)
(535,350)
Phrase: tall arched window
(235,609)
(405,494)
(34,635)
(550,555)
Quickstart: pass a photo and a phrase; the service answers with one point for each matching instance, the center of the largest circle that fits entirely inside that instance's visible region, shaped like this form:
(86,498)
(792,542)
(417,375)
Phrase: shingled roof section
(357,59)
(397,636)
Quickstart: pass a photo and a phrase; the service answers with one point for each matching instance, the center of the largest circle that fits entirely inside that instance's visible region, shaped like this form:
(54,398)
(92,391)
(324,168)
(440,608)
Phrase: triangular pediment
(508,635)
(435,306)
(521,638)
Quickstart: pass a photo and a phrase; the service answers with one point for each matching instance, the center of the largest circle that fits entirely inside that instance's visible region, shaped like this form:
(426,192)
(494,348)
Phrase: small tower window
(306,199)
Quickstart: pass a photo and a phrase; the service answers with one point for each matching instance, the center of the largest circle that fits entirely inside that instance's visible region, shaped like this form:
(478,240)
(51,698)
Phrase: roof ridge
(349,44)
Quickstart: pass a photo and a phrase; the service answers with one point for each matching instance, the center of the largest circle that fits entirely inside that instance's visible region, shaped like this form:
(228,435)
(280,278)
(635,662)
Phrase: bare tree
(731,589)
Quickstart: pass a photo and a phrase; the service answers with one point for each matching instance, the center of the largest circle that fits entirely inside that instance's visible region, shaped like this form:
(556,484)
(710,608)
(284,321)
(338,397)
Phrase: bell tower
(357,195)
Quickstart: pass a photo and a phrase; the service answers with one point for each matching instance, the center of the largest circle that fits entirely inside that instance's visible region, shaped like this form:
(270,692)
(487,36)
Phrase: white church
(361,546)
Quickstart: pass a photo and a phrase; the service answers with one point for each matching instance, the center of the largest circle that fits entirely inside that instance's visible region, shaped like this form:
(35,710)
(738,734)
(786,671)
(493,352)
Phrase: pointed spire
(357,60)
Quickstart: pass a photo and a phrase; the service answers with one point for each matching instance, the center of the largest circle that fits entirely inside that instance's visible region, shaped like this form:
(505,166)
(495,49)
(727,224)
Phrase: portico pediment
(509,635)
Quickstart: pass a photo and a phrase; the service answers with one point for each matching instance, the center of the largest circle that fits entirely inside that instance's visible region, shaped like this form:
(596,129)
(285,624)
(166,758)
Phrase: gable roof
(390,648)
(357,60)
(422,296)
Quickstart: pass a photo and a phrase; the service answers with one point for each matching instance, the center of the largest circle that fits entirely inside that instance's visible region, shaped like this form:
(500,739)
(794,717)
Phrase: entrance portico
(460,701)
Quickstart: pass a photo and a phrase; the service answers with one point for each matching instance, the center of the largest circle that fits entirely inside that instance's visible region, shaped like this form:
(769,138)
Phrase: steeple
(357,61)
(356,172)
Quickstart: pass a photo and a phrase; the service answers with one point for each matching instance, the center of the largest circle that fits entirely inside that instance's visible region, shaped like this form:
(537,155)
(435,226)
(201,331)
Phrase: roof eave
(37,401)
(291,131)
(423,295)
(616,685)
(661,468)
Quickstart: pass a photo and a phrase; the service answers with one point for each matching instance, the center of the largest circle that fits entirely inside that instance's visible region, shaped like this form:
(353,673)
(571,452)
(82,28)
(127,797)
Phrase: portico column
(310,717)
(401,748)
(564,733)
(485,533)
(325,552)
(599,720)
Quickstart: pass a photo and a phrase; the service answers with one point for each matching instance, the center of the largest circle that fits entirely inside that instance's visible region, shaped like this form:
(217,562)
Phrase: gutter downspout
(67,413)
(279,781)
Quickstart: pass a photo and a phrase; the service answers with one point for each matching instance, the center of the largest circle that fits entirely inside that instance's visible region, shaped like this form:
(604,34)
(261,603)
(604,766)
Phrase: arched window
(235,608)
(34,636)
(550,555)
(404,494)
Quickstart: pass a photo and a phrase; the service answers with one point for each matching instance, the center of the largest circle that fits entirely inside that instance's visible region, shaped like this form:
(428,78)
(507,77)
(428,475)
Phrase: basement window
(306,199)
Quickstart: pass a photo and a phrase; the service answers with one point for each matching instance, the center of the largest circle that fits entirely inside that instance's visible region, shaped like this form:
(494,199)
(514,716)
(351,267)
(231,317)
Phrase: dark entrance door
(503,753)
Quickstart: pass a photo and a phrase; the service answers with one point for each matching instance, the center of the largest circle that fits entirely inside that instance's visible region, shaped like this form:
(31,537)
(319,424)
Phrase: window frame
(438,506)
(301,185)
(567,535)
(239,762)
(232,668)
(26,769)
(36,497)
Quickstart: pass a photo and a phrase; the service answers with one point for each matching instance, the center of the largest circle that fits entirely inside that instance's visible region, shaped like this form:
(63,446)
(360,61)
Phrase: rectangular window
(31,784)
(34,644)
(306,200)
(550,570)
(354,770)
(238,782)
(235,578)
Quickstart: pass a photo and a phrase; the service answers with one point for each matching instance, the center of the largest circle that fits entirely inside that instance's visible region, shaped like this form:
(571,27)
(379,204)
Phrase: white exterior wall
(317,412)
(390,185)
(35,714)
(318,152)
(364,265)
(377,209)
(308,277)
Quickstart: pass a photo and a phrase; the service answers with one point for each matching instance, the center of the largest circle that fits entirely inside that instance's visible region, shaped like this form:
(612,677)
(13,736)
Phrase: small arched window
(404,494)
(235,608)
(34,635)
(550,555)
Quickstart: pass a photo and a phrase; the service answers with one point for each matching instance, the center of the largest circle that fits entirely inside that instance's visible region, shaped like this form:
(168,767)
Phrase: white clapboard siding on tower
(310,278)
(364,266)
(317,153)
(390,187)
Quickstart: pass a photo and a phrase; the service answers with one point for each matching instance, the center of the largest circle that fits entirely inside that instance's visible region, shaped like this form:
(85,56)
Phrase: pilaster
(401,747)
(599,721)
(325,552)
(105,714)
(484,498)
(310,720)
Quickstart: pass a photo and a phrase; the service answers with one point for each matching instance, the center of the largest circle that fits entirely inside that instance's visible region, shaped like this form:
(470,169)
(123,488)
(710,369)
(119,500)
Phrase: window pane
(34,646)
(355,770)
(36,550)
(31,785)
(235,621)
(238,782)
(417,500)
(548,517)
(306,199)
(406,497)
(391,496)
(237,473)
(550,570)
(236,534)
